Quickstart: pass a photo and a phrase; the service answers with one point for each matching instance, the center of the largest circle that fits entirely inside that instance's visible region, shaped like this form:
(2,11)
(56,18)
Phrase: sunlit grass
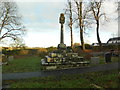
(26,64)
(32,64)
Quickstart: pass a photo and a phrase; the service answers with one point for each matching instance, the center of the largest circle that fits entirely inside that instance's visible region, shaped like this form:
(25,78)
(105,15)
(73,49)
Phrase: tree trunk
(97,30)
(82,39)
(71,37)
(81,27)
(71,23)
(71,29)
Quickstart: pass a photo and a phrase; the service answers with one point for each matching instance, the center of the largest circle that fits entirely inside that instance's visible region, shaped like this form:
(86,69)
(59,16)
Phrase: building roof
(114,39)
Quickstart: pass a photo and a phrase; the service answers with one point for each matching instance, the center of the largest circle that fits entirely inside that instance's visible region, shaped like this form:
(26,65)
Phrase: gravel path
(11,76)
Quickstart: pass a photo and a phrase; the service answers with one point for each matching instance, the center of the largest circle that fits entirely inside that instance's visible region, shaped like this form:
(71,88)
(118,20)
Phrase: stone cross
(62,46)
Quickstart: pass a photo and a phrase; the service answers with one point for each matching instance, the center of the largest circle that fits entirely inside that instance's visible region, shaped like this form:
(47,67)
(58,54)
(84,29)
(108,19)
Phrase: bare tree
(79,14)
(118,9)
(18,43)
(10,21)
(69,13)
(96,7)
(82,17)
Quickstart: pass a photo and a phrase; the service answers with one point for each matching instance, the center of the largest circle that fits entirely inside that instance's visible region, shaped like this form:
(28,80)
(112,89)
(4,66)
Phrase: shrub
(24,52)
(42,52)
(50,49)
(106,48)
(10,52)
(32,51)
(88,46)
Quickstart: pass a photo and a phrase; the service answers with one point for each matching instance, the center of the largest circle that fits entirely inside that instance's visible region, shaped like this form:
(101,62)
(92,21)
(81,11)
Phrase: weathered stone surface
(49,59)
(94,60)
(10,58)
(80,58)
(61,46)
(43,61)
(51,67)
(53,55)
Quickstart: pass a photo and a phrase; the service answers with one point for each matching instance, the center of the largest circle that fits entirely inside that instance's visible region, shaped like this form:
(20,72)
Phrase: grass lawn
(103,79)
(26,64)
(102,60)
(32,64)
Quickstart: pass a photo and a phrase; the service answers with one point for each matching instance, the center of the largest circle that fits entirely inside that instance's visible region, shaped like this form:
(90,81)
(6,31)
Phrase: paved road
(11,76)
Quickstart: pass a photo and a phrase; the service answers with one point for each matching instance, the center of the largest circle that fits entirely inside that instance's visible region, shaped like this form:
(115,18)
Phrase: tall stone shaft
(62,35)
(62,21)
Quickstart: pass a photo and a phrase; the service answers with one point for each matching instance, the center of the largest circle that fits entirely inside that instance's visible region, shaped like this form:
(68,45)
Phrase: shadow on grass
(102,79)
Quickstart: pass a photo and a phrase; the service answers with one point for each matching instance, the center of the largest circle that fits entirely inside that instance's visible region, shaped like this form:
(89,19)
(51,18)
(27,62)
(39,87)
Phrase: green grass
(102,60)
(32,64)
(113,59)
(26,64)
(103,79)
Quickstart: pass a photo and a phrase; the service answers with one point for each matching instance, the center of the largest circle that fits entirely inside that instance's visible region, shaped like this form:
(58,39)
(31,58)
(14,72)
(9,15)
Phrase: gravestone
(108,56)
(94,60)
(10,58)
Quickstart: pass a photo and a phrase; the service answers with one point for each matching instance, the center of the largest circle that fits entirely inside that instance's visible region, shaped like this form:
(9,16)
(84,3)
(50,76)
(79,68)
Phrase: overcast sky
(43,29)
